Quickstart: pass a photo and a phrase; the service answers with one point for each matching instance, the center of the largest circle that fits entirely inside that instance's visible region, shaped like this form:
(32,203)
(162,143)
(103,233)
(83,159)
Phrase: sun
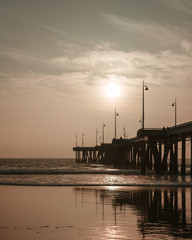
(112,90)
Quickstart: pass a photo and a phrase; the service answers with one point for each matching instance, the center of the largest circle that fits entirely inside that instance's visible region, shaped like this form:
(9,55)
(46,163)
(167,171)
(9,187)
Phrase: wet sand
(92,213)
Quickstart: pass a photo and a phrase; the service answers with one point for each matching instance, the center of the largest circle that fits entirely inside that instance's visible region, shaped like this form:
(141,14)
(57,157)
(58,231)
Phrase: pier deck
(151,149)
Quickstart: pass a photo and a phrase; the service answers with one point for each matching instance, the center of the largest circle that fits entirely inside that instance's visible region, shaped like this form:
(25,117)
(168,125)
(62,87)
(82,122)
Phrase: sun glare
(112,90)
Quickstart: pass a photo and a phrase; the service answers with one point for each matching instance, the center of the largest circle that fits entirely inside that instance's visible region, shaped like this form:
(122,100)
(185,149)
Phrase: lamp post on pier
(103,127)
(116,114)
(96,136)
(144,88)
(124,132)
(83,139)
(174,104)
(76,140)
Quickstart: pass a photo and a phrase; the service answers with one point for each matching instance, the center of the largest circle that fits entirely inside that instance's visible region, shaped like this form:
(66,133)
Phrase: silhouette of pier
(168,209)
(152,149)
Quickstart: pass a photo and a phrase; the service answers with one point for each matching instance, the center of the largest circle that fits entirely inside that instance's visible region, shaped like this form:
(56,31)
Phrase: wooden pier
(152,149)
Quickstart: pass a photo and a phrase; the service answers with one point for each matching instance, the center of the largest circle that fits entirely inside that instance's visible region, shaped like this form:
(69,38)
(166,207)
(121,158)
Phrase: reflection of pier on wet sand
(162,210)
(152,149)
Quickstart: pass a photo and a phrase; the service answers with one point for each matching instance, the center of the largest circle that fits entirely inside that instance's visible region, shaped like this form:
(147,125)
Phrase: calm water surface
(96,213)
(59,199)
(139,213)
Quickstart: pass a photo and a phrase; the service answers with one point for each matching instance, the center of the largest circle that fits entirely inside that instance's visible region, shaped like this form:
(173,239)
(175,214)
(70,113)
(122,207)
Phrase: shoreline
(102,185)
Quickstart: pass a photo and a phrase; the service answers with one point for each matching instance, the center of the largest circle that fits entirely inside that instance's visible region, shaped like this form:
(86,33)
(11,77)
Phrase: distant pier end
(152,149)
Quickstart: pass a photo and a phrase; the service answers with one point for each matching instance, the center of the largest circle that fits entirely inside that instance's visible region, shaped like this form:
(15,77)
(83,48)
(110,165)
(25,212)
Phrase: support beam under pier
(183,166)
(191,158)
(175,169)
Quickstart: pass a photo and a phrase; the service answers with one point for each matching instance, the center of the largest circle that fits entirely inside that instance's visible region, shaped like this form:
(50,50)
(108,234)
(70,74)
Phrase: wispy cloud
(31,22)
(179,5)
(187,46)
(153,32)
(165,67)
(91,68)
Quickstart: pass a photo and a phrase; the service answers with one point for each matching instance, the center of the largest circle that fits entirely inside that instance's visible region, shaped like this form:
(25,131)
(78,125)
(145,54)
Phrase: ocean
(61,199)
(66,172)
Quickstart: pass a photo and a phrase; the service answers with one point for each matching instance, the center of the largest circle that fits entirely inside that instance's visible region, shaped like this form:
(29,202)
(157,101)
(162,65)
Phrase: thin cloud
(47,27)
(154,67)
(179,5)
(33,22)
(187,47)
(85,69)
(153,31)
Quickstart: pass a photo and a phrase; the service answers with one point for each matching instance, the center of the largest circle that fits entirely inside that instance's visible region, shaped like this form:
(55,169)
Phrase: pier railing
(152,149)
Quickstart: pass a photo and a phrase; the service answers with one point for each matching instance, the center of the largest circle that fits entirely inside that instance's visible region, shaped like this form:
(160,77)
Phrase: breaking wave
(57,172)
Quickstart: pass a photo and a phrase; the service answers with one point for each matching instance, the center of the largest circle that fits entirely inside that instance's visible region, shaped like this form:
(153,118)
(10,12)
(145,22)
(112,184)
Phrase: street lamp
(116,114)
(76,140)
(124,132)
(140,122)
(103,131)
(83,139)
(96,136)
(144,88)
(175,105)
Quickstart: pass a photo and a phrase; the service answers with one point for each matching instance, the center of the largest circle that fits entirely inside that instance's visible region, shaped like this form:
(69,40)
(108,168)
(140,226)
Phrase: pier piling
(151,149)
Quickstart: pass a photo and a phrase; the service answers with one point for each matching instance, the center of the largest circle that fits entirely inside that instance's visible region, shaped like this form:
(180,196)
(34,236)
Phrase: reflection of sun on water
(111,232)
(112,90)
(110,180)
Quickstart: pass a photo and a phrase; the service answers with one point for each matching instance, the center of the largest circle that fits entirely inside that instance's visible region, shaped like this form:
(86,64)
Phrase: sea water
(61,199)
(66,172)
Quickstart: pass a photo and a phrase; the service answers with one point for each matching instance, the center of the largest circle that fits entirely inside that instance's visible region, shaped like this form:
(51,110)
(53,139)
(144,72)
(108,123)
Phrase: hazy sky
(58,57)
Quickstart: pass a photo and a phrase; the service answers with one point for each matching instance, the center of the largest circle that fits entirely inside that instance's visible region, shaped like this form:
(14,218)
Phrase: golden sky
(66,65)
